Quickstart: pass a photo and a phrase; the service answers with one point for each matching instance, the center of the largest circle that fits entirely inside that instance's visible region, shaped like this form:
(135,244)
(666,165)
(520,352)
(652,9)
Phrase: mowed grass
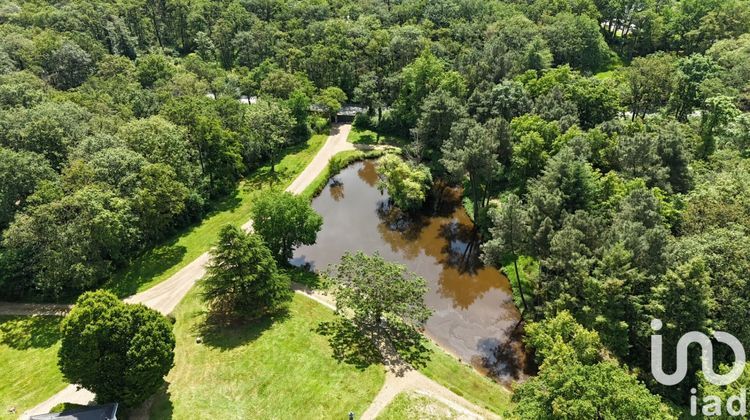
(409,405)
(280,368)
(466,382)
(159,263)
(28,362)
(357,136)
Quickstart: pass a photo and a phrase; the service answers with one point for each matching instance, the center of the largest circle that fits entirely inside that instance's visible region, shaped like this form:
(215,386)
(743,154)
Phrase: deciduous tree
(285,221)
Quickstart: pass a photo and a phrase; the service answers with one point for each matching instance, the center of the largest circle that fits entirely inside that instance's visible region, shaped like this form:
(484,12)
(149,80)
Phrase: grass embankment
(343,159)
(280,368)
(464,381)
(369,137)
(338,162)
(159,263)
(28,362)
(409,405)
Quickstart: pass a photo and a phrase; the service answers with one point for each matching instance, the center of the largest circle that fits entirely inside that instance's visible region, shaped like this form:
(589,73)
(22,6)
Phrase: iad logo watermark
(736,405)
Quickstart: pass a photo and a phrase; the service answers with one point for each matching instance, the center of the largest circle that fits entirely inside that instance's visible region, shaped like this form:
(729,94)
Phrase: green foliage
(151,69)
(109,145)
(269,125)
(692,72)
(20,89)
(407,184)
(472,152)
(119,351)
(417,80)
(576,40)
(383,300)
(438,113)
(21,172)
(572,390)
(243,280)
(574,382)
(330,101)
(72,243)
(50,129)
(650,81)
(68,66)
(285,221)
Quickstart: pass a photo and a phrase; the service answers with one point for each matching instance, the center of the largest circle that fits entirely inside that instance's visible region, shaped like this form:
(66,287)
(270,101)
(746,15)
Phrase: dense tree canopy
(604,141)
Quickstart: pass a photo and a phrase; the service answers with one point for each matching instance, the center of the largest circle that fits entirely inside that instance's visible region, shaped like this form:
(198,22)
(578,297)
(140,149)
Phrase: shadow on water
(504,358)
(368,173)
(25,332)
(336,188)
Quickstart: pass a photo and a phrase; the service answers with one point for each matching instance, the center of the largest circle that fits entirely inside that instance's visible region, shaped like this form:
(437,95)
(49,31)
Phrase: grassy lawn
(409,405)
(357,136)
(28,362)
(466,382)
(160,263)
(279,368)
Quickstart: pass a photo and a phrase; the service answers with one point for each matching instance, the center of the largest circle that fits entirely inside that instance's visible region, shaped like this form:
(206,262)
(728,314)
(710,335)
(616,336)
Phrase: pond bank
(474,315)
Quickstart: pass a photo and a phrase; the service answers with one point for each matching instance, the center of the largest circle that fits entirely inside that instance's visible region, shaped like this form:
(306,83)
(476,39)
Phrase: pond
(474,316)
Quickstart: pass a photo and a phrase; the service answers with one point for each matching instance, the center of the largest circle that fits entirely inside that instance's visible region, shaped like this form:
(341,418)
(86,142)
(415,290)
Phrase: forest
(603,147)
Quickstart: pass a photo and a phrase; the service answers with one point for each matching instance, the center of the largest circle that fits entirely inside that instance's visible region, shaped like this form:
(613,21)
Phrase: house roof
(95,412)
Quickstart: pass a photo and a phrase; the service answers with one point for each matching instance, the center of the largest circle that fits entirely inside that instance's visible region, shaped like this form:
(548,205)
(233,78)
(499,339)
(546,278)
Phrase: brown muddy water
(474,316)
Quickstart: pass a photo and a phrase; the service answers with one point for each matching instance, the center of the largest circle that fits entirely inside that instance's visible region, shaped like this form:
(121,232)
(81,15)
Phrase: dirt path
(28,309)
(415,381)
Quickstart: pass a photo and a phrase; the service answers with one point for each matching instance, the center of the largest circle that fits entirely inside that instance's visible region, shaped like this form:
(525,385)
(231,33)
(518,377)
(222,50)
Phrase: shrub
(320,125)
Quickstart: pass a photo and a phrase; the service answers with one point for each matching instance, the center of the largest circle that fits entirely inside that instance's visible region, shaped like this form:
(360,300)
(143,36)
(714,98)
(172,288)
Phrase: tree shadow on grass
(349,345)
(145,268)
(226,334)
(162,407)
(303,275)
(408,343)
(25,332)
(397,346)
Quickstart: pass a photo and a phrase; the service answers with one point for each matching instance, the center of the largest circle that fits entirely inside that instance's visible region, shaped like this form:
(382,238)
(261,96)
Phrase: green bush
(319,125)
(363,121)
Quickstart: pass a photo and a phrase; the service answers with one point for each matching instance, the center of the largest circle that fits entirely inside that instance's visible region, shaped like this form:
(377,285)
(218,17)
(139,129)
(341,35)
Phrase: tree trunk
(518,281)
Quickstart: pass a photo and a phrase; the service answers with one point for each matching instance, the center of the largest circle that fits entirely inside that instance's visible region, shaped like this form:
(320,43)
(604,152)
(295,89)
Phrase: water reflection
(474,316)
(368,173)
(336,189)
